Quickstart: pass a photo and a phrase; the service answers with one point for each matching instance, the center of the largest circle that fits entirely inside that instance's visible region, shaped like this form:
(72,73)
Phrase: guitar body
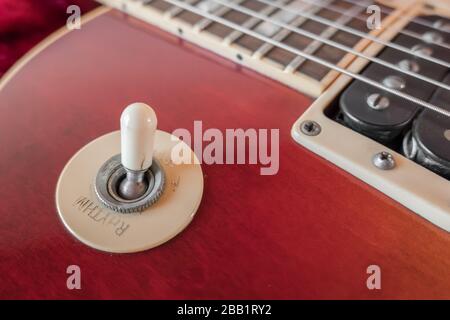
(310,231)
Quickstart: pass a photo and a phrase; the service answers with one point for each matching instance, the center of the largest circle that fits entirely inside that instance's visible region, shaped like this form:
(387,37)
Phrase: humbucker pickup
(389,125)
(421,135)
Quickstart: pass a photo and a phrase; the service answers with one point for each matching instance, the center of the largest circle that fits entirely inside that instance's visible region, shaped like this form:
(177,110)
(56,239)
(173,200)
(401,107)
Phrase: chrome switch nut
(133,180)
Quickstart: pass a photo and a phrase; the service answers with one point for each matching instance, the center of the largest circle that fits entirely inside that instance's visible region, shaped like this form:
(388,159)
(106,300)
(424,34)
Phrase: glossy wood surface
(308,232)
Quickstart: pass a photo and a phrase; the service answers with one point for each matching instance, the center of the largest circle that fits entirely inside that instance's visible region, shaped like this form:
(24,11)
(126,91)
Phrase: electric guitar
(354,184)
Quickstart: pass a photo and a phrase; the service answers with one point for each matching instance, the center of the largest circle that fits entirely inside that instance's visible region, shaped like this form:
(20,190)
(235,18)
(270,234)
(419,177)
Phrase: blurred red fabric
(23,23)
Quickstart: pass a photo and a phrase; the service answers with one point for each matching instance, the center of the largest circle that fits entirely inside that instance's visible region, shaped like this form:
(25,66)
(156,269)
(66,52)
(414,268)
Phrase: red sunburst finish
(308,232)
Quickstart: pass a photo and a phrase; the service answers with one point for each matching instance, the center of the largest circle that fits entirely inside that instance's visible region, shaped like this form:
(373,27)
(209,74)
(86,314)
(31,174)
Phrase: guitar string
(358,33)
(325,63)
(358,17)
(416,20)
(329,42)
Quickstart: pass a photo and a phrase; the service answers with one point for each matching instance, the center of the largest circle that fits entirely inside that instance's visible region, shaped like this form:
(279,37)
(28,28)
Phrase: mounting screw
(310,128)
(384,161)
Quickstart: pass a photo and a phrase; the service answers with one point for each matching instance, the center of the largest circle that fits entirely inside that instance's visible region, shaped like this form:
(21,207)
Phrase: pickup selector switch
(126,191)
(133,180)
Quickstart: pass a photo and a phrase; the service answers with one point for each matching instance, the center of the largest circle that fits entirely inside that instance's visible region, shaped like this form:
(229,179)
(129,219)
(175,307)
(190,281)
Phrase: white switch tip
(138,124)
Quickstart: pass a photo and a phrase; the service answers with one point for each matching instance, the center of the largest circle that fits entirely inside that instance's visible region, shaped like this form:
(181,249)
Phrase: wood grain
(308,232)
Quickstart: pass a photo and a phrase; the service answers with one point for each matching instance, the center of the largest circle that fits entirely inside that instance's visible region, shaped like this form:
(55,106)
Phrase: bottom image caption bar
(215,310)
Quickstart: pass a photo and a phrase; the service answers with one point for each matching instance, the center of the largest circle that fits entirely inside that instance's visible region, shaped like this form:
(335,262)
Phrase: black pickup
(421,135)
(429,140)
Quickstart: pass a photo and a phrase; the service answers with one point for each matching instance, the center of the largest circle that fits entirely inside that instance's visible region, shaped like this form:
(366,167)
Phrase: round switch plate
(106,230)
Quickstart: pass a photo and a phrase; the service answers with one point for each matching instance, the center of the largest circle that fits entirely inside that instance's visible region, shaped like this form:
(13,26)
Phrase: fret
(279,56)
(236,17)
(254,5)
(346,5)
(288,18)
(284,57)
(218,30)
(345,38)
(248,43)
(218,10)
(227,34)
(263,9)
(269,29)
(358,22)
(330,14)
(335,53)
(189,17)
(208,5)
(159,5)
(252,44)
(172,12)
(292,39)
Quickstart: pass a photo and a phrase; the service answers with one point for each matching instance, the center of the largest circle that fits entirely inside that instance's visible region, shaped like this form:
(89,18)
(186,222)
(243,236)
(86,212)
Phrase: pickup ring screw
(384,161)
(310,128)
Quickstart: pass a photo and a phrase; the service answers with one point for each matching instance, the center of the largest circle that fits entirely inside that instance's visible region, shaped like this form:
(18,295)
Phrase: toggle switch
(137,129)
(123,193)
(133,180)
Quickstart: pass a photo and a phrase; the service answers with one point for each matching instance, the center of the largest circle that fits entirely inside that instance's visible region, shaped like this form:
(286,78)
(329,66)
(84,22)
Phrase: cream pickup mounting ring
(123,193)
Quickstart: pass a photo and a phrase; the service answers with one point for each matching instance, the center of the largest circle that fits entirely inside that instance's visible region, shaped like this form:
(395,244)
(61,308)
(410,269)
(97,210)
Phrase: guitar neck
(262,47)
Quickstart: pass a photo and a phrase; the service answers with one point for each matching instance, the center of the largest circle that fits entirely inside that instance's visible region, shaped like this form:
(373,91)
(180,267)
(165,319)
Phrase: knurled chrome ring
(111,174)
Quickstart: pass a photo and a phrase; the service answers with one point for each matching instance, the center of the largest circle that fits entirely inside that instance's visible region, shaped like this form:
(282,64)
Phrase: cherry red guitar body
(310,231)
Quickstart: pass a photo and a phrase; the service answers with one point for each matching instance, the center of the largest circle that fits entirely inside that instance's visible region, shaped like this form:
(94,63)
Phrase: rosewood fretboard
(277,63)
